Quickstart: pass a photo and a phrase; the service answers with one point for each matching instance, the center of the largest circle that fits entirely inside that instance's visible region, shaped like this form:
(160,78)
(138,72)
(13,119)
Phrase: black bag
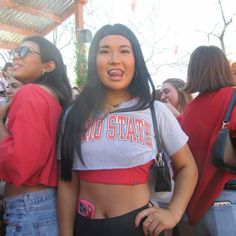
(162,173)
(223,154)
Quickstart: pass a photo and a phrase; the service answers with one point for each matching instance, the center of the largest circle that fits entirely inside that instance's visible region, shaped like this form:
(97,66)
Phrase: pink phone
(86,209)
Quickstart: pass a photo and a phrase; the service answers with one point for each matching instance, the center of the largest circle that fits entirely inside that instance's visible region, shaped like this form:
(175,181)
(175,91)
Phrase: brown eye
(102,51)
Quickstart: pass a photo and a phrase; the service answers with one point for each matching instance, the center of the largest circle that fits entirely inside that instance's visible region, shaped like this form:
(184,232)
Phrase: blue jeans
(219,220)
(31,214)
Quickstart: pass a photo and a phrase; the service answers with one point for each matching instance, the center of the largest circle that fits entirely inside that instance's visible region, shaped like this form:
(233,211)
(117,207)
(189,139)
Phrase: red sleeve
(25,151)
(179,118)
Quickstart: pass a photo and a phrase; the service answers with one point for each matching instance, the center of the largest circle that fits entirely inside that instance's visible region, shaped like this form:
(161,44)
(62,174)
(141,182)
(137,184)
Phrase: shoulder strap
(154,121)
(230,108)
(160,158)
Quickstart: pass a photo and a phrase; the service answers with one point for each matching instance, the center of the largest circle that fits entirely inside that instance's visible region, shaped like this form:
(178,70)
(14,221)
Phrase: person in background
(212,208)
(7,70)
(13,86)
(3,88)
(75,91)
(28,142)
(173,94)
(107,146)
(7,73)
(157,94)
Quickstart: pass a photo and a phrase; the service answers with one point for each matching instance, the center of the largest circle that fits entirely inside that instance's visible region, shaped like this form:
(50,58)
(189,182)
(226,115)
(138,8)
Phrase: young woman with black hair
(108,146)
(28,139)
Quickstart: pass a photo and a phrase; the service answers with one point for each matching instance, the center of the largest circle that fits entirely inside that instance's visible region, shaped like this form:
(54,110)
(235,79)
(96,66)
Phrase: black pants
(116,226)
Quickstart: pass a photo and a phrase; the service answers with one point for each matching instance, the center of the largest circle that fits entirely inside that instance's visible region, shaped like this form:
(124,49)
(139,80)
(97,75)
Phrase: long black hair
(57,79)
(91,99)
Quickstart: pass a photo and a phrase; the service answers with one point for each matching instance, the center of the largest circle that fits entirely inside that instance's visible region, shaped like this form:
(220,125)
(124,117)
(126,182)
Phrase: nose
(15,56)
(163,96)
(114,58)
(9,89)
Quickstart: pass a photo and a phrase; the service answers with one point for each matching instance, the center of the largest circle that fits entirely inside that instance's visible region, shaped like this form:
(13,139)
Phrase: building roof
(21,18)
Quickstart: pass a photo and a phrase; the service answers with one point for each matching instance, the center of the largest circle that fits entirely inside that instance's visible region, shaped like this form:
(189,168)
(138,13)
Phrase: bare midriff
(12,190)
(114,200)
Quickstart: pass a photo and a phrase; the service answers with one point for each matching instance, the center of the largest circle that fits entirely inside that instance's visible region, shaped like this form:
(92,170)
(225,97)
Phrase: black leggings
(116,226)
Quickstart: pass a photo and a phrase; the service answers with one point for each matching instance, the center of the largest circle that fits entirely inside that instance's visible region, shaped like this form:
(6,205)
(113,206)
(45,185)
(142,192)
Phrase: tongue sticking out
(115,73)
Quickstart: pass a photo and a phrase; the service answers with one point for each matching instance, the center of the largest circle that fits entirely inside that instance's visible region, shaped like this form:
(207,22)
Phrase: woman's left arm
(159,219)
(185,182)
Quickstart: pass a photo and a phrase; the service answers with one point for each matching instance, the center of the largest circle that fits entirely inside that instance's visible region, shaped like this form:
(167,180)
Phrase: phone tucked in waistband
(86,209)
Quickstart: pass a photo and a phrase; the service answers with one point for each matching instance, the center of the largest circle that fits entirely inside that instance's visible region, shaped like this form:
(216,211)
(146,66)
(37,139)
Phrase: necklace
(108,108)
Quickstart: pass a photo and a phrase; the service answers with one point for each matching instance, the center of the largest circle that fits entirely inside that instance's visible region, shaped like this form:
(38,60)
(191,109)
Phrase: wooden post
(80,46)
(79,16)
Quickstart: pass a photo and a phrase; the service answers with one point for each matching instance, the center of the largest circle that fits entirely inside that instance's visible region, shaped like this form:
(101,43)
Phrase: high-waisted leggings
(116,226)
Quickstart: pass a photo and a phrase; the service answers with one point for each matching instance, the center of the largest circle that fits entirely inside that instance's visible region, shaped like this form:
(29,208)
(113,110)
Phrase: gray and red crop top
(121,147)
(129,176)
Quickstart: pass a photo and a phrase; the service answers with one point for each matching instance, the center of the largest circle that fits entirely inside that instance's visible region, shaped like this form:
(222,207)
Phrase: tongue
(115,73)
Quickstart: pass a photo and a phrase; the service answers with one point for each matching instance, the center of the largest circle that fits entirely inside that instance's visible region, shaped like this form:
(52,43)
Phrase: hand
(3,109)
(175,112)
(156,220)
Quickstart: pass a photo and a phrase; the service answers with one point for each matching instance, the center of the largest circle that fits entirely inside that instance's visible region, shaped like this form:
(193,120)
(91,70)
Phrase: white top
(126,139)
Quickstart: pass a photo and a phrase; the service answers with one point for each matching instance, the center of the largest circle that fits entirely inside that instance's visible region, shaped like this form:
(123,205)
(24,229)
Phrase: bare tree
(226,23)
(67,28)
(222,33)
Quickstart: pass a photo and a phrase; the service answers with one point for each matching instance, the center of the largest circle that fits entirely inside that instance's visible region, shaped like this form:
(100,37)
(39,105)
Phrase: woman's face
(27,66)
(169,94)
(13,86)
(115,63)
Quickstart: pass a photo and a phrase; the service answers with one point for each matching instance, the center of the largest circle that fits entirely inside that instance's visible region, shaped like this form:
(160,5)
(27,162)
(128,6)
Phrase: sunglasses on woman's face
(22,51)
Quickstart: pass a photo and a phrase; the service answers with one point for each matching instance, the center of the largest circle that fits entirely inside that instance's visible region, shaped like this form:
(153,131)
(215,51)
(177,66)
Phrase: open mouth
(116,74)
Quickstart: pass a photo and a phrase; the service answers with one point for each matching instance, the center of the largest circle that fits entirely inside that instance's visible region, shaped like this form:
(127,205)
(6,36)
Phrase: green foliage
(81,64)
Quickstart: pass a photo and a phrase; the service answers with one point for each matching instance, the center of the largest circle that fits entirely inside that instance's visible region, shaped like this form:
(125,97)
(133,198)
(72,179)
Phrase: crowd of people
(78,162)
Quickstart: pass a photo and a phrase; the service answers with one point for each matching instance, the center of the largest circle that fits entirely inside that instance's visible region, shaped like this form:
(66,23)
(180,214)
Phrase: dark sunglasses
(22,51)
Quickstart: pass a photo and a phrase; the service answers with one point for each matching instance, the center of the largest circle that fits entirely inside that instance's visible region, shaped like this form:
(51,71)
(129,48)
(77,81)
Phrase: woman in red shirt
(28,140)
(212,206)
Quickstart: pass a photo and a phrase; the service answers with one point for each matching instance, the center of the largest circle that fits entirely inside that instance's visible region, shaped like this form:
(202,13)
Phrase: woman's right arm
(3,111)
(67,196)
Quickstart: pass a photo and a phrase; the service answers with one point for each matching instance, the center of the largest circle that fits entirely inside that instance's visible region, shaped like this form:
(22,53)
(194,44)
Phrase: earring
(43,72)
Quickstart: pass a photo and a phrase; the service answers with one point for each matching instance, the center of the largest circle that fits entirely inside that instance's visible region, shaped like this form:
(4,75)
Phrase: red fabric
(202,120)
(28,154)
(129,176)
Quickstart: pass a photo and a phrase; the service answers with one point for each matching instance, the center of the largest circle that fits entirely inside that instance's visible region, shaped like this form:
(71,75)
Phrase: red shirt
(28,154)
(201,120)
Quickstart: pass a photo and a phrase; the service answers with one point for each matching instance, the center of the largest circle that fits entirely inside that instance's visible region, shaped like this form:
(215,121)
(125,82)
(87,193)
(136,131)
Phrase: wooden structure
(21,18)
